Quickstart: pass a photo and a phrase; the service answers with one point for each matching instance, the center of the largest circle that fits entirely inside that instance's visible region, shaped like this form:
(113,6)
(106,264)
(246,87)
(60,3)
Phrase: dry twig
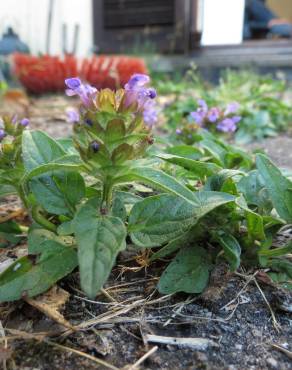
(143,358)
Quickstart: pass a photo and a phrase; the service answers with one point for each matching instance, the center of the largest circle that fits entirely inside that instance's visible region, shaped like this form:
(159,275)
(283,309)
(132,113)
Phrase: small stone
(272,363)
(238,346)
(256,333)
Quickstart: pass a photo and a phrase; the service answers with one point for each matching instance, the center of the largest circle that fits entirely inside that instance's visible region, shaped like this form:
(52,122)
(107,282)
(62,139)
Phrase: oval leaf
(27,278)
(188,272)
(161,218)
(99,240)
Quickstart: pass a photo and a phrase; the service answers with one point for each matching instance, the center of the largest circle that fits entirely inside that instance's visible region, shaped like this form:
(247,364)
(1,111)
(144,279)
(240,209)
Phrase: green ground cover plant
(262,105)
(208,200)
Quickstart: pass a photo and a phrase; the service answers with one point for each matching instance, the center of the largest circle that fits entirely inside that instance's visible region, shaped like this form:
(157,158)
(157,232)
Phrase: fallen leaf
(50,303)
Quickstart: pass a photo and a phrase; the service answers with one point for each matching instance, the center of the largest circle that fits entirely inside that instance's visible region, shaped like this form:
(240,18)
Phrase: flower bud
(2,134)
(94,146)
(24,122)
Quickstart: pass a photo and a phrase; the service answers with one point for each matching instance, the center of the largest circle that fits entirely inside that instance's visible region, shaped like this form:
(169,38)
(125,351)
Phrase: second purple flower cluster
(225,120)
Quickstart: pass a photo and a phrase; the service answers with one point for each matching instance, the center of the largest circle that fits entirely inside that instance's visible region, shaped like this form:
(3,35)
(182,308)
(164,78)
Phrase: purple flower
(2,134)
(73,83)
(231,108)
(213,115)
(178,131)
(86,92)
(72,115)
(202,105)
(24,122)
(198,117)
(137,92)
(227,125)
(136,81)
(150,114)
(236,119)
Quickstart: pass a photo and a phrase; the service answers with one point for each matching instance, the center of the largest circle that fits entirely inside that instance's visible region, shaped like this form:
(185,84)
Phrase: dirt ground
(246,320)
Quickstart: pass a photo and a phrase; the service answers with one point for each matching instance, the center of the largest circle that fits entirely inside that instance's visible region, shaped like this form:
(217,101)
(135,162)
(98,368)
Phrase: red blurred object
(46,74)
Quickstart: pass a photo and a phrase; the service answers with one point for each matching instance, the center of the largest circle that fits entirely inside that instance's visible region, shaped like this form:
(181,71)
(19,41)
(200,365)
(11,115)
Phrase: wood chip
(200,344)
(5,354)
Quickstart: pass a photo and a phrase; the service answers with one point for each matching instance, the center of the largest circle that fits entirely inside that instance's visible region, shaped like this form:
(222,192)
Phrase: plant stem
(41,220)
(22,196)
(107,194)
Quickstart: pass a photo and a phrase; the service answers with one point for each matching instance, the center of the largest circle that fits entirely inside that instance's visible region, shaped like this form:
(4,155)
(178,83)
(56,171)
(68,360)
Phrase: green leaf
(38,148)
(232,249)
(186,151)
(72,186)
(115,130)
(188,272)
(38,236)
(66,228)
(173,245)
(279,187)
(66,163)
(255,225)
(59,194)
(122,153)
(156,179)
(216,182)
(10,234)
(161,218)
(27,278)
(68,145)
(6,190)
(252,187)
(118,208)
(99,239)
(199,168)
(276,252)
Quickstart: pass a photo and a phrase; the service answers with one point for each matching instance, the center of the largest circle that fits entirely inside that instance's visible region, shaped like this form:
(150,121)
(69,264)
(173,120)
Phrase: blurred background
(126,26)
(87,37)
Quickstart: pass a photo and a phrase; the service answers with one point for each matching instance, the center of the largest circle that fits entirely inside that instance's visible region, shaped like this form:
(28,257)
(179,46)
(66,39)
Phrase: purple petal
(24,122)
(73,83)
(203,105)
(231,108)
(236,119)
(2,134)
(136,81)
(152,93)
(72,115)
(227,125)
(70,92)
(198,117)
(150,114)
(178,131)
(14,118)
(213,114)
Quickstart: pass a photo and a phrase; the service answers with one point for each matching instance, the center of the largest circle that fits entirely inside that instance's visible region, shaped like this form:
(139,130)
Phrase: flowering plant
(82,203)
(213,119)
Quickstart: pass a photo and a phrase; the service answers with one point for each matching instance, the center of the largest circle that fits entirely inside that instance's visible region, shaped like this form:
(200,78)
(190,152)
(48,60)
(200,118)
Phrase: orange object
(47,73)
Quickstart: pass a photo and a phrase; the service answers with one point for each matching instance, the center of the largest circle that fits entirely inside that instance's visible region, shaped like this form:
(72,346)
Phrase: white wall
(29,19)
(222,22)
